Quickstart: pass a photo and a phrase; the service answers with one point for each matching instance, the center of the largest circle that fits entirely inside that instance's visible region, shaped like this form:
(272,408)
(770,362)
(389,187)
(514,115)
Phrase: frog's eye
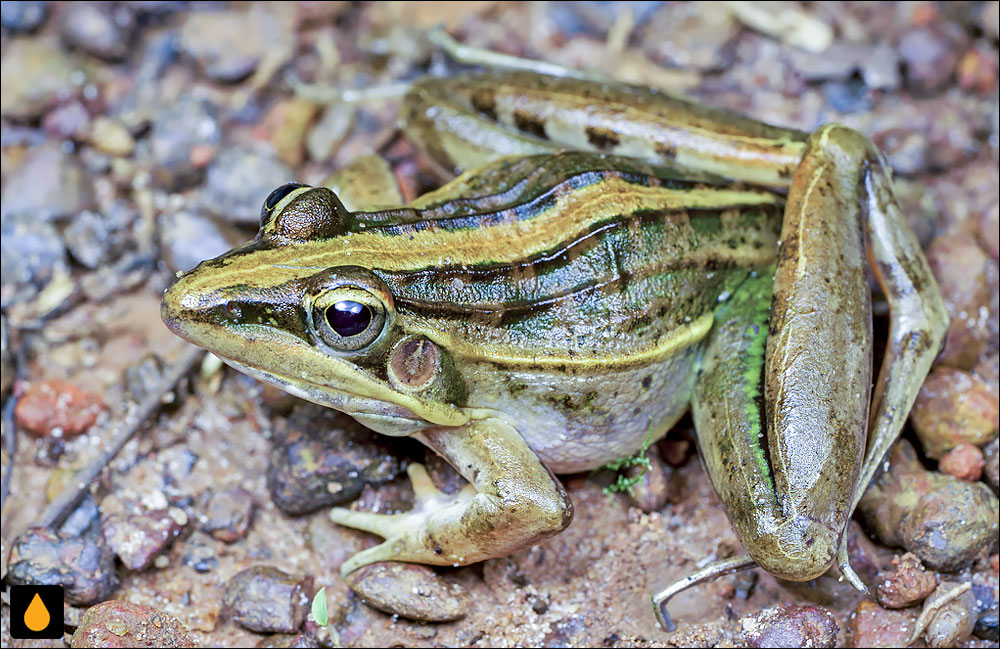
(297,212)
(275,196)
(347,318)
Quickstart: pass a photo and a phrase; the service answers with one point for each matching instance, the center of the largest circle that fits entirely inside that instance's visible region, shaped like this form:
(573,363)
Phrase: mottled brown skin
(556,311)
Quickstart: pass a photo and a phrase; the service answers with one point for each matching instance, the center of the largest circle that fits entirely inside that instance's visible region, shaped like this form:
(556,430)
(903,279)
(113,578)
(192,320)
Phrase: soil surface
(141,138)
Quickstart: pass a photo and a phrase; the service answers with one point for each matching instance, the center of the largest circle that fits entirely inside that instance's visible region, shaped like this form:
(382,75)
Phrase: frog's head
(299,307)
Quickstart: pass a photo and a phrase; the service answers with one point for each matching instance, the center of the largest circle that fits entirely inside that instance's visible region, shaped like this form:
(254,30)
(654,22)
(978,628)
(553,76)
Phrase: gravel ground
(139,138)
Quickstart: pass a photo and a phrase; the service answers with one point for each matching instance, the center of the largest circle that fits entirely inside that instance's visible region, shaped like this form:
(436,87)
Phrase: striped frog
(613,257)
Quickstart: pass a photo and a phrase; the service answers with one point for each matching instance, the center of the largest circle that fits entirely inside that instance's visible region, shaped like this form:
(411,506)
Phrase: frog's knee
(800,550)
(839,140)
(546,514)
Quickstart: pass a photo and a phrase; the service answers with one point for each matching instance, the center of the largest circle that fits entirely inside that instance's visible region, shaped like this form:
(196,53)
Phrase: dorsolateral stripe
(502,237)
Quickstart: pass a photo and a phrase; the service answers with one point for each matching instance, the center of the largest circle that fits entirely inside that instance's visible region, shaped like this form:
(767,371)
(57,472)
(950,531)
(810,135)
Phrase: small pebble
(961,268)
(177,133)
(953,623)
(656,485)
(965,462)
(285,126)
(411,590)
(321,457)
(873,626)
(139,538)
(228,514)
(199,553)
(229,44)
(32,255)
(288,641)
(94,239)
(85,567)
(991,472)
(55,407)
(23,16)
(111,137)
(786,625)
(103,30)
(121,623)
(67,121)
(953,407)
(35,75)
(945,521)
(188,238)
(676,452)
(238,181)
(686,37)
(266,600)
(24,195)
(907,585)
(977,70)
(930,55)
(848,96)
(142,376)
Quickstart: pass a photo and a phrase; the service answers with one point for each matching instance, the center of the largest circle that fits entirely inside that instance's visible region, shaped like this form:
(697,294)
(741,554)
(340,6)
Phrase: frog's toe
(410,590)
(384,525)
(423,487)
(426,493)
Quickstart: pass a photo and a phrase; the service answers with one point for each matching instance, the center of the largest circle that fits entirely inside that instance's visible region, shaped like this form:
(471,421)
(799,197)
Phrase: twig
(70,497)
(11,440)
(488,58)
(325,95)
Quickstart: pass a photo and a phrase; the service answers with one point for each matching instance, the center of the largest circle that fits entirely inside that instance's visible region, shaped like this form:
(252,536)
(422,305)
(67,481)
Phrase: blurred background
(139,138)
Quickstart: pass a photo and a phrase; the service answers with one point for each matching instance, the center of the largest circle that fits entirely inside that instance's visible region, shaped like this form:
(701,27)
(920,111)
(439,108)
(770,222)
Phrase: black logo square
(36,612)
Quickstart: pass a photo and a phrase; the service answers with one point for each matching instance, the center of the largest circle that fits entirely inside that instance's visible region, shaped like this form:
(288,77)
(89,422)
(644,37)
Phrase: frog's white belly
(579,423)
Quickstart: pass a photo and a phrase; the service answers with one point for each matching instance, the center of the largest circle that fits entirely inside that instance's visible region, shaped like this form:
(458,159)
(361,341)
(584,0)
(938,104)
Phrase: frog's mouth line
(383,417)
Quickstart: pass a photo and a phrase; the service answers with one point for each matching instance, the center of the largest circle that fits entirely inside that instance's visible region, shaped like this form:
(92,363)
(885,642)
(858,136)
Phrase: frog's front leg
(515,503)
(790,477)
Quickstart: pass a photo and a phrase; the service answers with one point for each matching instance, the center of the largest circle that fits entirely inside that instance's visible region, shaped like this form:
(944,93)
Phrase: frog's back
(577,262)
(576,289)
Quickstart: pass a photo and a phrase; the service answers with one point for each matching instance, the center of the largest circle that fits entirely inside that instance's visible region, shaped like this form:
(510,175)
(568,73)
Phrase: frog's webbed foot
(512,502)
(428,500)
(405,589)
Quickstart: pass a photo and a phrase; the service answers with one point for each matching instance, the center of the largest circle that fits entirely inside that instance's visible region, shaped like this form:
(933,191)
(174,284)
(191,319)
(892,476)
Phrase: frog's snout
(170,311)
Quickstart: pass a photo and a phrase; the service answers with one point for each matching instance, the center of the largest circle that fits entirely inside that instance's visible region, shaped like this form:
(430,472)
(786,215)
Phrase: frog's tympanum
(611,258)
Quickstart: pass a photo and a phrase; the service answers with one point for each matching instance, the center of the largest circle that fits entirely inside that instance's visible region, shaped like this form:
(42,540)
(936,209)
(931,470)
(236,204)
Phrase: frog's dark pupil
(275,197)
(348,318)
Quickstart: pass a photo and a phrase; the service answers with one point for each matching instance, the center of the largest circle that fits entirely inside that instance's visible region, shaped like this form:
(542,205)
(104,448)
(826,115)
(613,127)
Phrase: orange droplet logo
(36,617)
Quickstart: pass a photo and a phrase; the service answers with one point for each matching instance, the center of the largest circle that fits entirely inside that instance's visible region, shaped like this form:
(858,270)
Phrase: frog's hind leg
(790,485)
(843,177)
(918,318)
(513,501)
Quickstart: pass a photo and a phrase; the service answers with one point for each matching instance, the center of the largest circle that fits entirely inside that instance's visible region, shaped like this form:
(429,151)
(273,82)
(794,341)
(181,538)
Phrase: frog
(608,258)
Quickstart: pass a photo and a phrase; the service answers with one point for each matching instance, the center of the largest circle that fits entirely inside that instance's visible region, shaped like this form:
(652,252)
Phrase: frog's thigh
(787,475)
(818,362)
(791,543)
(516,503)
(843,168)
